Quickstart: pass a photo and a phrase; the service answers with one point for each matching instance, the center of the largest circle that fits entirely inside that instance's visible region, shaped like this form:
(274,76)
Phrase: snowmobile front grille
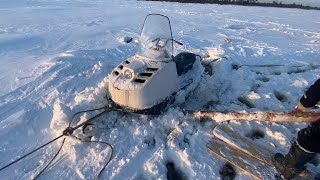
(151,69)
(116,73)
(139,80)
(145,74)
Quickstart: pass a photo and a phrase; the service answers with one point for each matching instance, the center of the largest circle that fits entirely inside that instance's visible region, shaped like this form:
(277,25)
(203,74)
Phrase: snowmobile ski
(245,162)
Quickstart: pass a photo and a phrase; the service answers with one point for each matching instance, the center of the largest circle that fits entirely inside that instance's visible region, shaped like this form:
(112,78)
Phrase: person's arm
(310,98)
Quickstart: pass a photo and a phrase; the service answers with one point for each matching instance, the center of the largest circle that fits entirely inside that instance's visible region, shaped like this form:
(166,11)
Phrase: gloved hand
(300,108)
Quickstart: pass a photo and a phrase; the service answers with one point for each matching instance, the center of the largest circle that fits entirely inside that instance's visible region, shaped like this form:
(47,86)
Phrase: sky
(315,3)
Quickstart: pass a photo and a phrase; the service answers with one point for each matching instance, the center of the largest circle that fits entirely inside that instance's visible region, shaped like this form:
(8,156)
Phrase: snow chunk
(124,39)
(61,116)
(300,83)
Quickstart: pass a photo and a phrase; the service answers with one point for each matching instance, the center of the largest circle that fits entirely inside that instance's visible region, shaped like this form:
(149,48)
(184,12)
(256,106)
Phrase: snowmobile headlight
(128,74)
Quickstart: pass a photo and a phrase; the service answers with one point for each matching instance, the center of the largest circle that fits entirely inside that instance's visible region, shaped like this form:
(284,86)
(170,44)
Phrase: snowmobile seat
(184,62)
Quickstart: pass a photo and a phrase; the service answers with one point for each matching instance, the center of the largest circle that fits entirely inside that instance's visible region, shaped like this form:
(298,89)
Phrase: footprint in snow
(246,101)
(151,142)
(255,134)
(173,173)
(227,172)
(281,96)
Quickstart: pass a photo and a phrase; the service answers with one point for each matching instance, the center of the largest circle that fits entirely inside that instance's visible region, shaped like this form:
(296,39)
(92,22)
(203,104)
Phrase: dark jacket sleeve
(312,95)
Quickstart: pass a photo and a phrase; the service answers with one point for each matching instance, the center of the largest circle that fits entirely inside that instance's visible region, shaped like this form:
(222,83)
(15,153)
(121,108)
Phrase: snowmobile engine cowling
(150,84)
(134,68)
(156,77)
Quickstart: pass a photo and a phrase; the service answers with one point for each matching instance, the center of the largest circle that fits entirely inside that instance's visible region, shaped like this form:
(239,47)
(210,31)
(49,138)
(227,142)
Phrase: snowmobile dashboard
(157,50)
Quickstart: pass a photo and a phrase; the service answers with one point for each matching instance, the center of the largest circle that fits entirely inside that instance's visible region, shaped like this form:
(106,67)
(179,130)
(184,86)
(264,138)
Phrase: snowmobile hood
(133,69)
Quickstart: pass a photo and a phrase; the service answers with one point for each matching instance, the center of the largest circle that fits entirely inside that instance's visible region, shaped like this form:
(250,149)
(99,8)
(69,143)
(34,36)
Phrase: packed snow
(55,61)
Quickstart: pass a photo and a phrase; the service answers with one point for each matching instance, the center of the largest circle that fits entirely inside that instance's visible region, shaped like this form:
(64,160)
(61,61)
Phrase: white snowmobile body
(149,81)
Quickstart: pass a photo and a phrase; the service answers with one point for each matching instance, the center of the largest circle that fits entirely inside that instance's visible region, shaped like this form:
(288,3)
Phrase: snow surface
(55,61)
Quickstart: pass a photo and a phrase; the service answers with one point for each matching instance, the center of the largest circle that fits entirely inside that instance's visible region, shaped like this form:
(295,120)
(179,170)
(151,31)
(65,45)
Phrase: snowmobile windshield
(156,41)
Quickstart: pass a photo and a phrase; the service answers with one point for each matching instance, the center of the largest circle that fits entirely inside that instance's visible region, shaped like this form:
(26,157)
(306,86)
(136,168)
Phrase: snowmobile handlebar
(157,40)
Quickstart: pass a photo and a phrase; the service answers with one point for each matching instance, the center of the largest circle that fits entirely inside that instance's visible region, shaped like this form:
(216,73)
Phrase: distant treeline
(244,3)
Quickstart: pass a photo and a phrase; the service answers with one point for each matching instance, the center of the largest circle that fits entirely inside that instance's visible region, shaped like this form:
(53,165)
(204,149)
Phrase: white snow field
(55,57)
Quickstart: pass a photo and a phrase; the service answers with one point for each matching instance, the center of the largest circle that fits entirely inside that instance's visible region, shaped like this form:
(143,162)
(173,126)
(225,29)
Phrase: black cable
(104,107)
(71,131)
(237,66)
(87,121)
(57,153)
(50,160)
(24,156)
(67,132)
(98,142)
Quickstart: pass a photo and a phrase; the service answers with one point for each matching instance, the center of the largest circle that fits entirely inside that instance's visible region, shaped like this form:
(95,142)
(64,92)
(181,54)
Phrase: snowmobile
(154,78)
(149,82)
